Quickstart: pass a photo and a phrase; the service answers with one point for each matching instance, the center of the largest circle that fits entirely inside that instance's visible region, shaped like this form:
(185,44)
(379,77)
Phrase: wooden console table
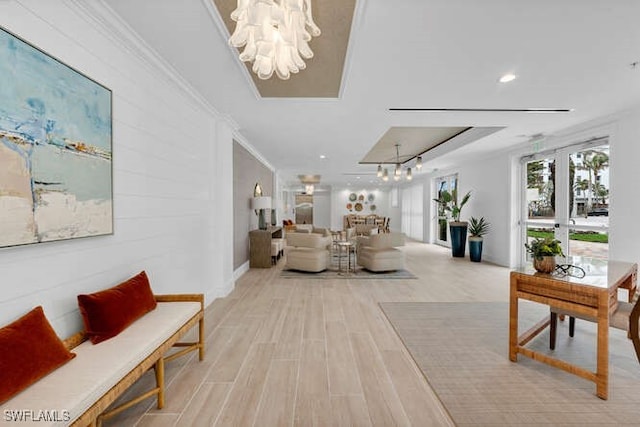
(260,246)
(594,295)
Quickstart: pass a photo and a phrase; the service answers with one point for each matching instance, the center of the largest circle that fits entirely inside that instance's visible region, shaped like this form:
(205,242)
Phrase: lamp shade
(262,202)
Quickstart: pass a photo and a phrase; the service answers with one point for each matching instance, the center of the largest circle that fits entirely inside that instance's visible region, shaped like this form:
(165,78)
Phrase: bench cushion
(109,312)
(97,368)
(30,350)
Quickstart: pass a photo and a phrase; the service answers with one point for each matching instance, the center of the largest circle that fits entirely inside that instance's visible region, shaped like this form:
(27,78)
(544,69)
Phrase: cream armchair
(308,252)
(378,252)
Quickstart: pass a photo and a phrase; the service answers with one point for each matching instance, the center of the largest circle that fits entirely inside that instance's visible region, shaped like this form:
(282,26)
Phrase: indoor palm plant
(543,251)
(457,229)
(477,228)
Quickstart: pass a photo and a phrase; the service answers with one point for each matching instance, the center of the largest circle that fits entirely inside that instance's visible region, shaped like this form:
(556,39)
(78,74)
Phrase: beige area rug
(462,349)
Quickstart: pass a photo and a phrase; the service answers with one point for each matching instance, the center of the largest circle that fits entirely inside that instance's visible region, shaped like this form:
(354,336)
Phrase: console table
(260,246)
(594,295)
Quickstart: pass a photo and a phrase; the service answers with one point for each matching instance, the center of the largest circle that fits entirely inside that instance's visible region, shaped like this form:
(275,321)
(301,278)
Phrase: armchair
(378,252)
(308,252)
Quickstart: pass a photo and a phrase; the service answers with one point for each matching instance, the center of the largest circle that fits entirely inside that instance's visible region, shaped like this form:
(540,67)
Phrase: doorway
(565,195)
(444,183)
(304,209)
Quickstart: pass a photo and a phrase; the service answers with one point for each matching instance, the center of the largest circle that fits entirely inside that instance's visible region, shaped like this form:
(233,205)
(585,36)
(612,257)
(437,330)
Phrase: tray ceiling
(323,75)
(413,141)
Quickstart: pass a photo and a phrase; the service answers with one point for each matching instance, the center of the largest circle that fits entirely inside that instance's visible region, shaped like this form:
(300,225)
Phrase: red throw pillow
(30,349)
(109,312)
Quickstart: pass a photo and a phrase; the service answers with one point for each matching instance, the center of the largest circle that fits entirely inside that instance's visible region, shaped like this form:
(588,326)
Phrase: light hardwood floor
(285,352)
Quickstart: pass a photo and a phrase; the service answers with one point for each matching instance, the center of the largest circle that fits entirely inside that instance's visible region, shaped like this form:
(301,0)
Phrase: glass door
(566,196)
(444,183)
(589,203)
(539,197)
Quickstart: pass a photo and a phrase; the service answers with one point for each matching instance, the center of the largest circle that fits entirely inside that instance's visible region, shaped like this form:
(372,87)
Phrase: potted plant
(477,228)
(544,251)
(457,229)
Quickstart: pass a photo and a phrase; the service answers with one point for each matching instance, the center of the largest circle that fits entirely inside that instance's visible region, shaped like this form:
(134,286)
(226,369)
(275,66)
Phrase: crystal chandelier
(275,34)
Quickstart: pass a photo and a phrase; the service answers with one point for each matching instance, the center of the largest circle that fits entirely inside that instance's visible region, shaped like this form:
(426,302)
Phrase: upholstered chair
(308,252)
(378,252)
(626,317)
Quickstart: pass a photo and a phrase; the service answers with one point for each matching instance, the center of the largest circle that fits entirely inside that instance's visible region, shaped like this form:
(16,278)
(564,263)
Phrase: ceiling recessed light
(507,78)
(322,156)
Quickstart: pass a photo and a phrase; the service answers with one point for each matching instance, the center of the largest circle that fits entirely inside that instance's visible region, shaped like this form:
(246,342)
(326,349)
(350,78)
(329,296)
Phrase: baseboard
(240,271)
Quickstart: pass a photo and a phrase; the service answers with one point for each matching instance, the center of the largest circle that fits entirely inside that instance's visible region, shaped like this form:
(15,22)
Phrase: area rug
(359,274)
(462,350)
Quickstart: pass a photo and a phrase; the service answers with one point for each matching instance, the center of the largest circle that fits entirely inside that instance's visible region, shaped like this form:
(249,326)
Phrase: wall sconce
(257,190)
(260,204)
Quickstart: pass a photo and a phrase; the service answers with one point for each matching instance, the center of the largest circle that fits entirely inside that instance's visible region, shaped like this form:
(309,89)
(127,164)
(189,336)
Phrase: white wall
(624,210)
(322,209)
(340,198)
(488,179)
(412,223)
(171,178)
(494,182)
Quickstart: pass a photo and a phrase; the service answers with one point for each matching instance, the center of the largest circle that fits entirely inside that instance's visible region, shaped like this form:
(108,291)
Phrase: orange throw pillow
(30,350)
(109,312)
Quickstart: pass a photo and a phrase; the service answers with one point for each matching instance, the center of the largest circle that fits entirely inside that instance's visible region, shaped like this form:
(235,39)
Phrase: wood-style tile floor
(285,352)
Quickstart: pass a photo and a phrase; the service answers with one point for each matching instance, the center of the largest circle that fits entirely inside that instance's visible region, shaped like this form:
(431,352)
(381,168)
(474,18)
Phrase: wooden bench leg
(159,370)
(553,327)
(634,333)
(572,326)
(201,339)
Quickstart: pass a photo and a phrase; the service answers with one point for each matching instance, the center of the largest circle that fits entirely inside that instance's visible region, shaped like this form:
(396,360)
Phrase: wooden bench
(85,387)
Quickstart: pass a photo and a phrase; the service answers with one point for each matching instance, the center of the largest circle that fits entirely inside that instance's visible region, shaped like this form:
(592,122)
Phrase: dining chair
(350,233)
(625,317)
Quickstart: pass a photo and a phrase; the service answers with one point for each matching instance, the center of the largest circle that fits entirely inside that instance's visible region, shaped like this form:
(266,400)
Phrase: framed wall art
(55,148)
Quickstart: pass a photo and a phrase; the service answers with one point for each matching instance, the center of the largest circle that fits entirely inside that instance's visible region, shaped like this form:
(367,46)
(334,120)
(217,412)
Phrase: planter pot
(475,249)
(442,229)
(458,232)
(545,265)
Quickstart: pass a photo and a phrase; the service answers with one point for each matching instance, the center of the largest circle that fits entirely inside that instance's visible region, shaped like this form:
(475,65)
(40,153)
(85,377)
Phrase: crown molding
(356,24)
(215,16)
(113,27)
(240,139)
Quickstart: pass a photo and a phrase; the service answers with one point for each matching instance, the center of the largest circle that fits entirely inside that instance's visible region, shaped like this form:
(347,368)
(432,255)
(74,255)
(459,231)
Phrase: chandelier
(275,34)
(397,172)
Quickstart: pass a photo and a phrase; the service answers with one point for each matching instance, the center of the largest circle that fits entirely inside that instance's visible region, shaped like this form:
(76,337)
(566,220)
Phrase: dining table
(586,286)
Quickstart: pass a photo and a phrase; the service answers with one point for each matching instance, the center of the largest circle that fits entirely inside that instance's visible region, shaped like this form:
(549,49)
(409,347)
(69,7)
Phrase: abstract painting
(55,149)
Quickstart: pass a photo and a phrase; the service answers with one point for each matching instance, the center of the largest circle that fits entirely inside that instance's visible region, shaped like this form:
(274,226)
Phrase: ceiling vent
(485,110)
